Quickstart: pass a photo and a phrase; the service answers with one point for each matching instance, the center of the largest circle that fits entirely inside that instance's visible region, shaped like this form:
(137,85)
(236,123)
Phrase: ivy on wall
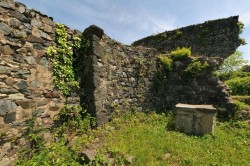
(61,58)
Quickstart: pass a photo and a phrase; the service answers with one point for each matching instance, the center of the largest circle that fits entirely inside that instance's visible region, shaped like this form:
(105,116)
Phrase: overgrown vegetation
(181,53)
(138,138)
(239,86)
(166,62)
(195,68)
(61,57)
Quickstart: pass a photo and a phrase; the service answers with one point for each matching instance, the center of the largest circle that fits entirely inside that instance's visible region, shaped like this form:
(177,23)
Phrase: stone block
(195,119)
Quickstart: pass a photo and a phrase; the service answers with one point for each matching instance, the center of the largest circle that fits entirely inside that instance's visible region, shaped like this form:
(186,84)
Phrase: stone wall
(116,77)
(119,77)
(26,86)
(216,38)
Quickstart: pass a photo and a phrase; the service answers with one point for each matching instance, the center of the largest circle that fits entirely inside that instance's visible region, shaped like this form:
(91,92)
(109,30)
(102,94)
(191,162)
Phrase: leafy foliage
(181,53)
(233,63)
(196,67)
(166,62)
(62,61)
(239,86)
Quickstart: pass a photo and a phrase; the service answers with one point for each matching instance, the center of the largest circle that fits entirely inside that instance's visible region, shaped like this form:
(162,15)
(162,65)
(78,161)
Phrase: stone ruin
(114,76)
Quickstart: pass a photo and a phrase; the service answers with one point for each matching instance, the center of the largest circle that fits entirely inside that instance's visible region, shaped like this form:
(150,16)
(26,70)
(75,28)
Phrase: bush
(231,75)
(239,86)
(166,62)
(195,68)
(181,53)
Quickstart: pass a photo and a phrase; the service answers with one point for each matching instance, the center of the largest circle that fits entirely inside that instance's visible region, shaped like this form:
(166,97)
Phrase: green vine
(62,61)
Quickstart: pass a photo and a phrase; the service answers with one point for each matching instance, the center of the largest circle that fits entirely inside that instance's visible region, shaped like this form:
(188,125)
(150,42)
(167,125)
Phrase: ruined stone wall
(178,86)
(216,38)
(25,75)
(119,77)
(116,77)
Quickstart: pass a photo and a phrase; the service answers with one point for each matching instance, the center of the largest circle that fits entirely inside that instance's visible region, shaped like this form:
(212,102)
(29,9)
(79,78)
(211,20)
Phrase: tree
(233,63)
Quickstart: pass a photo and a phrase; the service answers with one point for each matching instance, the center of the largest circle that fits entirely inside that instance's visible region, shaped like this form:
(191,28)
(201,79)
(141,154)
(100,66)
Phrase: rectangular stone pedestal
(195,119)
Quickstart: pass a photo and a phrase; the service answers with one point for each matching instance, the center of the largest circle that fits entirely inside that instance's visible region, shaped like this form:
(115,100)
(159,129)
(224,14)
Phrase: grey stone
(44,61)
(15,23)
(19,16)
(8,91)
(7,106)
(36,23)
(6,29)
(19,34)
(10,117)
(30,60)
(195,119)
(35,84)
(21,9)
(22,85)
(4,70)
(18,58)
(24,74)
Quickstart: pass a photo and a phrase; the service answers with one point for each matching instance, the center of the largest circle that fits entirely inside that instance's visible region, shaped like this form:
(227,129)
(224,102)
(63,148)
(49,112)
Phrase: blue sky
(130,20)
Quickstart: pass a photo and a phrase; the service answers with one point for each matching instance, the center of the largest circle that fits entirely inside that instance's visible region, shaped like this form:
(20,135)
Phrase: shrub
(195,68)
(239,86)
(166,62)
(231,75)
(181,53)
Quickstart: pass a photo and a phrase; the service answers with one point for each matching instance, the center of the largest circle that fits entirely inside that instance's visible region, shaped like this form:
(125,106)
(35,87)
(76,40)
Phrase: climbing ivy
(61,58)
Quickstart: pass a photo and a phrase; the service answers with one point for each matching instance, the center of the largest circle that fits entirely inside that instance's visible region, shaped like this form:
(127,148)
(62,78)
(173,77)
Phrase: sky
(129,20)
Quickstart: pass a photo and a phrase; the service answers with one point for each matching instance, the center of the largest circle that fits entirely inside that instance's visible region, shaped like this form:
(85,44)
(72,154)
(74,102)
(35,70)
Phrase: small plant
(181,53)
(62,61)
(166,62)
(195,68)
(241,26)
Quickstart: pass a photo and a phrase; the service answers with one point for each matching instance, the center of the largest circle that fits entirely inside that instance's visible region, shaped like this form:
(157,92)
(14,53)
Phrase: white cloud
(245,18)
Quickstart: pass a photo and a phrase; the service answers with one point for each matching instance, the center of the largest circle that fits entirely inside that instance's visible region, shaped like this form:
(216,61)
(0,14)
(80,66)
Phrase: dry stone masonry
(114,77)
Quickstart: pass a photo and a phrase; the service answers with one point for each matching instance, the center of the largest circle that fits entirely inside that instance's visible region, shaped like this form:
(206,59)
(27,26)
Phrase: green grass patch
(138,138)
(146,137)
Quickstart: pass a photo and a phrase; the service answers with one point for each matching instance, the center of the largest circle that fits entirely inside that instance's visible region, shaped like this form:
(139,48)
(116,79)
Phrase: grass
(138,138)
(146,138)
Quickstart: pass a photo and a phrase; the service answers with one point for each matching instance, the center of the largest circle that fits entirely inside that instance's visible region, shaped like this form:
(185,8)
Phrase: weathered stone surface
(34,39)
(9,81)
(22,85)
(4,70)
(6,50)
(44,61)
(195,119)
(5,29)
(15,23)
(10,117)
(25,104)
(17,96)
(30,60)
(36,23)
(19,16)
(19,34)
(54,94)
(47,28)
(7,106)
(8,91)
